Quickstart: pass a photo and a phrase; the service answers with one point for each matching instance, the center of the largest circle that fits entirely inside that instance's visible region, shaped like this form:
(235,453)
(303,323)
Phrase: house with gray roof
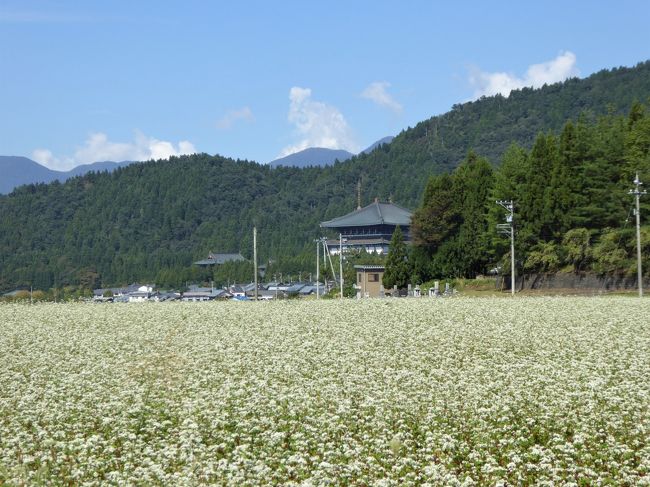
(369,228)
(204,294)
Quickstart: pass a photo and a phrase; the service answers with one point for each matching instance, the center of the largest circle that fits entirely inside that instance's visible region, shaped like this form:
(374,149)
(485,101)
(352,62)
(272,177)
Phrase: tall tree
(473,185)
(397,266)
(438,218)
(451,224)
(536,221)
(637,144)
(509,181)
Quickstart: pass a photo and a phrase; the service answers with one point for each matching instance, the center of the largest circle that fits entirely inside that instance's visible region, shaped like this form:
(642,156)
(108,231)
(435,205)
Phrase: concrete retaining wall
(584,281)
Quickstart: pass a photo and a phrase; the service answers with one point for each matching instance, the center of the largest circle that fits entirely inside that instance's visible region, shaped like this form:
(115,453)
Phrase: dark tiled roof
(370,267)
(295,288)
(374,214)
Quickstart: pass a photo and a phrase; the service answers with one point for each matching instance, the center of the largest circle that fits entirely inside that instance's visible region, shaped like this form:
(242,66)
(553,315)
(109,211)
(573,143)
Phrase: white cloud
(317,124)
(377,93)
(98,148)
(558,69)
(47,159)
(245,114)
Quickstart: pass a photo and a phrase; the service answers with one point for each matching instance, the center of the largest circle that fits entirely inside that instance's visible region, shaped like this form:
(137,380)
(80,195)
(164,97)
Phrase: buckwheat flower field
(484,391)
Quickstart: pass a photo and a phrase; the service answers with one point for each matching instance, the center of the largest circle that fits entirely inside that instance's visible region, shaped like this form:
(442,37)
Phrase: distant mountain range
(16,171)
(319,156)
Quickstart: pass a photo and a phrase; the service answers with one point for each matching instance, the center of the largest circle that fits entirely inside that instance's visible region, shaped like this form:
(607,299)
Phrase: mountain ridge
(321,156)
(312,156)
(19,170)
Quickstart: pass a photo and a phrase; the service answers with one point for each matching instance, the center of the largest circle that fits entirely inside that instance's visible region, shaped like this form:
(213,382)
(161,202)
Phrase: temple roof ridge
(376,213)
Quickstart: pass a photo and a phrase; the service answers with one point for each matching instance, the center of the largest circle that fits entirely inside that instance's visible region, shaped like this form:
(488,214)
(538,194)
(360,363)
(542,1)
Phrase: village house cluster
(368,228)
(240,292)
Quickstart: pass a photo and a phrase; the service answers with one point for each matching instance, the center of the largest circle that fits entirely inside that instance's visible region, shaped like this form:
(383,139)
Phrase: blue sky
(85,81)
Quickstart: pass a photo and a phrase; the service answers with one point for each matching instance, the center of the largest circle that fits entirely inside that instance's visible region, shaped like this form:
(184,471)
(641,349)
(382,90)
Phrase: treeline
(573,210)
(150,221)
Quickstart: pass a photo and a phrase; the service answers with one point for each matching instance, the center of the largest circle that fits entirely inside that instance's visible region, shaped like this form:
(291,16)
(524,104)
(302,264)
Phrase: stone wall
(585,281)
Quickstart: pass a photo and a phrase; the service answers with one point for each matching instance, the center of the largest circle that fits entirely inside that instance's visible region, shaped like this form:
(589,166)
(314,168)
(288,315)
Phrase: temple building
(369,228)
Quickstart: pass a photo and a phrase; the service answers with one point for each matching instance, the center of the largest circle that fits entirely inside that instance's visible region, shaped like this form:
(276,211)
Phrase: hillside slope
(134,223)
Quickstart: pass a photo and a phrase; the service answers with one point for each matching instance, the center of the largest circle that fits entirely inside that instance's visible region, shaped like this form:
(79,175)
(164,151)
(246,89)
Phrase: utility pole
(508,228)
(637,193)
(255,257)
(318,242)
(341,262)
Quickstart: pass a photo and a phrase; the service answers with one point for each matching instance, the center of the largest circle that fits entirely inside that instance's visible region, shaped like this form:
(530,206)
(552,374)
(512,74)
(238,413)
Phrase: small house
(369,280)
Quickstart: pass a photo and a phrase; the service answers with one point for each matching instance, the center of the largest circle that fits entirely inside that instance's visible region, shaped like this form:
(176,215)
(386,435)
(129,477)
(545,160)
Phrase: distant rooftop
(218,259)
(369,267)
(375,213)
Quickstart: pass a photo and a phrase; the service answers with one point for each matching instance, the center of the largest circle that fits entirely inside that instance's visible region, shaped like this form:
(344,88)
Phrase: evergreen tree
(473,185)
(561,199)
(536,211)
(509,181)
(397,266)
(637,144)
(451,224)
(438,218)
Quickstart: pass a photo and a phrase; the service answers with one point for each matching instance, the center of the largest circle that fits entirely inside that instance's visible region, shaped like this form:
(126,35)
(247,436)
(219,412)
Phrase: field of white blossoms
(484,391)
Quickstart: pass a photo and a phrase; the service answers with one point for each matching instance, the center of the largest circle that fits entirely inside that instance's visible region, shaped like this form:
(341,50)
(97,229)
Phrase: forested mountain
(150,221)
(16,171)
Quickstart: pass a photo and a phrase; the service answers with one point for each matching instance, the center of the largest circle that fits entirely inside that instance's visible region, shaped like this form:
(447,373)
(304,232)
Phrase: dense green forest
(149,221)
(573,210)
